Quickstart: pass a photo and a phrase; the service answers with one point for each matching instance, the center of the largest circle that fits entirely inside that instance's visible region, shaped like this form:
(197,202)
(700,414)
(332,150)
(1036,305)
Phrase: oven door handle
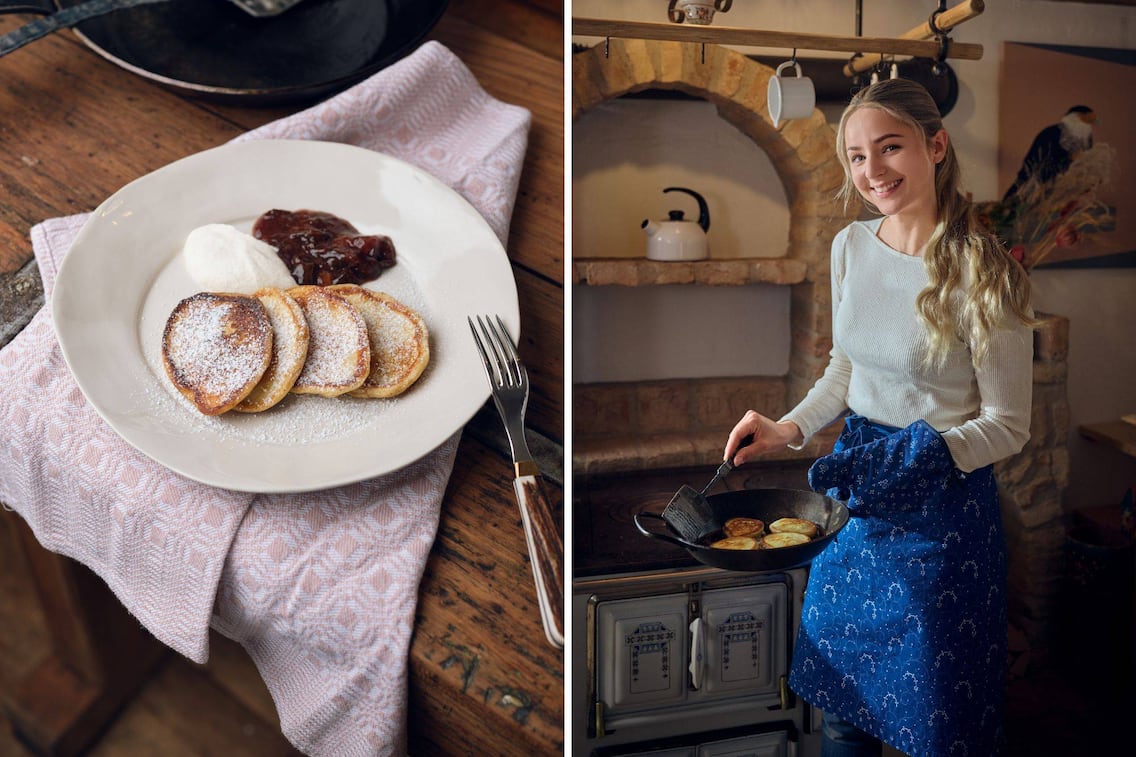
(655,535)
(697,652)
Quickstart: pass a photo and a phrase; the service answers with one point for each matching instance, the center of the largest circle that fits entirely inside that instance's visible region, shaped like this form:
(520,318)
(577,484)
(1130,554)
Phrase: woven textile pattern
(320,588)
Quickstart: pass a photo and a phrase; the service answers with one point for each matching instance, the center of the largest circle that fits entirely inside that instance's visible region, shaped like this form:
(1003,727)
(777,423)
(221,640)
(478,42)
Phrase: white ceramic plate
(125,273)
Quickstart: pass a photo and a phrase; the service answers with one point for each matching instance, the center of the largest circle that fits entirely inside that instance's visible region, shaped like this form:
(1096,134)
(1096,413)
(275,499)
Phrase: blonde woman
(903,632)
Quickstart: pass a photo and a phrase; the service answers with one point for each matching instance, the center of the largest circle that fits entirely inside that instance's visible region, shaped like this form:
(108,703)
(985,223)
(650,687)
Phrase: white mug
(790,97)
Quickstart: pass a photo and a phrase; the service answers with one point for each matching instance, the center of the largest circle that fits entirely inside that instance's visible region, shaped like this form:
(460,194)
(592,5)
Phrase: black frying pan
(214,49)
(689,529)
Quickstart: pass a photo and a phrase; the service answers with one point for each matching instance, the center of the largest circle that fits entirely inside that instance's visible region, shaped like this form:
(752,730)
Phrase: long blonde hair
(960,249)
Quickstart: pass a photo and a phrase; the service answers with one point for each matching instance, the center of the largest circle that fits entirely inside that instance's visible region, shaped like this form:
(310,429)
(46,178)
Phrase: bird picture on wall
(1052,202)
(1055,148)
(1065,191)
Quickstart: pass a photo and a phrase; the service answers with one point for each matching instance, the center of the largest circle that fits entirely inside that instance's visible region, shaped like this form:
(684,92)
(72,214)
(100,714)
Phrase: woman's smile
(885,190)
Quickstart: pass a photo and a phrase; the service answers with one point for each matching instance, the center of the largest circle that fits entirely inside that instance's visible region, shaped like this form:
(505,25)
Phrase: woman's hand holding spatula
(755,434)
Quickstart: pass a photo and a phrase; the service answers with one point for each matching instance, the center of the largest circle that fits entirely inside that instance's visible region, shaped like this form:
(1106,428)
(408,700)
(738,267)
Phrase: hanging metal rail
(872,49)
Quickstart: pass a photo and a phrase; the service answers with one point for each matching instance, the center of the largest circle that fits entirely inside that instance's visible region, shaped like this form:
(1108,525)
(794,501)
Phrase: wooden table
(1119,434)
(483,679)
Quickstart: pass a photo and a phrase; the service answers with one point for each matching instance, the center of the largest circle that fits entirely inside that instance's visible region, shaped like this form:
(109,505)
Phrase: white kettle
(677,238)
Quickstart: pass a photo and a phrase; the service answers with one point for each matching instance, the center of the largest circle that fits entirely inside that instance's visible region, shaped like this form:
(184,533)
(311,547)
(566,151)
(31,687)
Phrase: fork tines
(502,363)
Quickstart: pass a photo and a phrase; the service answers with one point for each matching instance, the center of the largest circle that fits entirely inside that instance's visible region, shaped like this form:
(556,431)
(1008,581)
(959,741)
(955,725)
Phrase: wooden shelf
(1118,434)
(643,272)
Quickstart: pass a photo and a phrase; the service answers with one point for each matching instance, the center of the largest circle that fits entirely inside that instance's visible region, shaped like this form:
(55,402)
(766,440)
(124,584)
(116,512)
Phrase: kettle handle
(703,209)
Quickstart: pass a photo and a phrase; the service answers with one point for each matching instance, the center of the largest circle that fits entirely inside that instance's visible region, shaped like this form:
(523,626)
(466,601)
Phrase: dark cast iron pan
(213,49)
(689,529)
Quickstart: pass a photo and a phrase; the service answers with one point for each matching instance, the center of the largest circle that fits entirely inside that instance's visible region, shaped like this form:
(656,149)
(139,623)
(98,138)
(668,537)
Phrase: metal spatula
(77,14)
(688,512)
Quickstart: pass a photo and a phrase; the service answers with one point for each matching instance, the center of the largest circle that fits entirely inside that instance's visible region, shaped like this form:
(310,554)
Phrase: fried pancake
(783,539)
(736,542)
(339,351)
(289,351)
(743,527)
(400,343)
(216,347)
(795,526)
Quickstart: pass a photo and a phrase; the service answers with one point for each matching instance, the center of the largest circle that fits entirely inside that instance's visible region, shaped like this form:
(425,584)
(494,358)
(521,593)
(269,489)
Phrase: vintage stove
(673,657)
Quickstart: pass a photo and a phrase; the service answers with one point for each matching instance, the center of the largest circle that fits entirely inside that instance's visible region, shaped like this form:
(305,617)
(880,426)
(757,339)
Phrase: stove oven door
(742,645)
(641,653)
(663,660)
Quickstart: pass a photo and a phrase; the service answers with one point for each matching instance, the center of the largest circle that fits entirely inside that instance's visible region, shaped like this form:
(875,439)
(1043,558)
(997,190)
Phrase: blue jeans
(842,739)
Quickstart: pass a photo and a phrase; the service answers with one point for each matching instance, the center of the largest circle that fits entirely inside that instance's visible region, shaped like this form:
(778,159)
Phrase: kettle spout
(649,226)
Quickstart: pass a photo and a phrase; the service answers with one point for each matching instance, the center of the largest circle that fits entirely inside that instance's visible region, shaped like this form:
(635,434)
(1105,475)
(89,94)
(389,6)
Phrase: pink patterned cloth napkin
(320,588)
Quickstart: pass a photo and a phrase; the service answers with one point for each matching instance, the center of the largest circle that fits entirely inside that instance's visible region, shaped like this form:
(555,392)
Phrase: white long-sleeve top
(876,370)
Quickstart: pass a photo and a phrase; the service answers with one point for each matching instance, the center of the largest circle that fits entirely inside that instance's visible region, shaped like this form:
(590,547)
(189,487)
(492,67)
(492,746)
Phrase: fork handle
(546,553)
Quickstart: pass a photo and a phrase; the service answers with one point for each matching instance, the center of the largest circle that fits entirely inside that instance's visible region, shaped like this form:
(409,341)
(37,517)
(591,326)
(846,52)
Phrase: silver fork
(509,383)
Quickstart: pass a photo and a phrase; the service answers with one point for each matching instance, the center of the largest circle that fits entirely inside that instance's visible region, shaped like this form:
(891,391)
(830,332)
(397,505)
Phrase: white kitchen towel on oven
(320,588)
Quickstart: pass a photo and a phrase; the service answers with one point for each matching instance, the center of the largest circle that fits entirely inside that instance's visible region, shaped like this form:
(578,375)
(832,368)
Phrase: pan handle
(655,535)
(64,19)
(41,7)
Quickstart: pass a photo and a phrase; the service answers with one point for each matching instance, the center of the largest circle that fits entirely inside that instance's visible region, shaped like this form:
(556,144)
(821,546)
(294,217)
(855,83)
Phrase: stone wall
(685,421)
(1031,485)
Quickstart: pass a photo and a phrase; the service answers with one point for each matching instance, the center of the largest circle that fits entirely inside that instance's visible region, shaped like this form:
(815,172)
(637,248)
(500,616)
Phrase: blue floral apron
(903,630)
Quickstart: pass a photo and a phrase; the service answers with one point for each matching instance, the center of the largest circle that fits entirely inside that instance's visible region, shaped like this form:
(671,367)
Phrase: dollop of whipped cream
(219,258)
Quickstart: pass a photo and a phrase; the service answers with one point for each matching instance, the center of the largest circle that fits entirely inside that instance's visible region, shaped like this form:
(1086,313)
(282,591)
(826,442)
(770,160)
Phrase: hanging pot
(937,77)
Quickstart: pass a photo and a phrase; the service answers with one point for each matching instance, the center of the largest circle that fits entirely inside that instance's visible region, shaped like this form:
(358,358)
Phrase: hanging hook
(676,16)
(894,74)
(857,78)
(794,58)
(878,69)
(939,67)
(932,22)
(607,46)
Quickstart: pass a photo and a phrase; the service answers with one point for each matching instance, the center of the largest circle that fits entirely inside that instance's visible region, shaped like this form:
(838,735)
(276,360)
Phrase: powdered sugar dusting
(210,349)
(297,420)
(333,353)
(395,339)
(285,352)
(289,349)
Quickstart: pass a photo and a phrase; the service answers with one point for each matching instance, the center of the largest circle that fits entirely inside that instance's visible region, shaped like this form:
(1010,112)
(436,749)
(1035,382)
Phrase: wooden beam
(722,35)
(946,21)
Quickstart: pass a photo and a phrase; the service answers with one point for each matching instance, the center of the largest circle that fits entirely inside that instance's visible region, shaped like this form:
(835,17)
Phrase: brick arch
(803,153)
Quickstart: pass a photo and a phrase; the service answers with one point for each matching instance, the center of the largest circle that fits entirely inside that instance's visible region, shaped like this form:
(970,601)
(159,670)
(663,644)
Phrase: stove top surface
(605,539)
